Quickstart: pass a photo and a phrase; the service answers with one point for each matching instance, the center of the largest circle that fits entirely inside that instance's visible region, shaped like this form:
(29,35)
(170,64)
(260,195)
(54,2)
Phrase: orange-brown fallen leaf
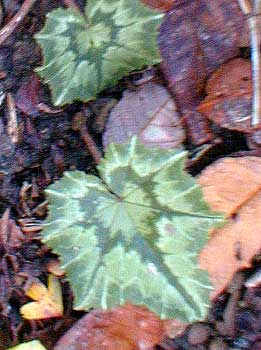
(229,96)
(163,5)
(48,301)
(126,327)
(233,186)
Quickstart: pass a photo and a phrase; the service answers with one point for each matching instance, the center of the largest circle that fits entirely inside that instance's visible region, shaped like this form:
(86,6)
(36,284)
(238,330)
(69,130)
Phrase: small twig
(90,144)
(72,4)
(257,7)
(255,36)
(256,69)
(245,6)
(79,124)
(7,30)
(12,124)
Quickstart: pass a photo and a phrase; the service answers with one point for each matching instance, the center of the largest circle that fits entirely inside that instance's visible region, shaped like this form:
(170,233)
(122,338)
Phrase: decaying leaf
(148,112)
(11,236)
(195,38)
(28,96)
(48,301)
(54,267)
(229,99)
(233,186)
(163,5)
(32,345)
(127,327)
(133,235)
(85,54)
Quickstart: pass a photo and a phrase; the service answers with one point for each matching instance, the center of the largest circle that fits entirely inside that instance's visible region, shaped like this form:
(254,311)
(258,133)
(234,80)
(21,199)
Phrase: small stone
(198,334)
(218,344)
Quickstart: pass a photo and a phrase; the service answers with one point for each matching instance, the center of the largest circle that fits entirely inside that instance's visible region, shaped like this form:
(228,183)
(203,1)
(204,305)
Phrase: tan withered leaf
(148,112)
(233,186)
(126,327)
(229,96)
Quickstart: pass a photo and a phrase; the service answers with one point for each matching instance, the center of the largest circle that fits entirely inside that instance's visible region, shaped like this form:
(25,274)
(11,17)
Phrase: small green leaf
(32,345)
(84,55)
(134,233)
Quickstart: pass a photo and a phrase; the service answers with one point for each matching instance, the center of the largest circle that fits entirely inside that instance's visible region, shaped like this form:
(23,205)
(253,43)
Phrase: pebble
(198,334)
(218,344)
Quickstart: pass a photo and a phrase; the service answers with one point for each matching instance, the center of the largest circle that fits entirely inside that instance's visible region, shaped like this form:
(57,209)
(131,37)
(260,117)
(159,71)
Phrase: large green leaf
(134,233)
(84,55)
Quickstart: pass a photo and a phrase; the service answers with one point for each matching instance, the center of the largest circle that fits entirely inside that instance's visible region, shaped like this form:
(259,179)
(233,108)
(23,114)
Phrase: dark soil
(47,144)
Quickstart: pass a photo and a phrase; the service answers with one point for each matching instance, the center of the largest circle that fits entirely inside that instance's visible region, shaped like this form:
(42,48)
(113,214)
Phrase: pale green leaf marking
(84,55)
(134,233)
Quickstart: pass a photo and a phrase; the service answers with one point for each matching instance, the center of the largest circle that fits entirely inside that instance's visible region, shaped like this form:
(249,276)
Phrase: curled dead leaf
(232,186)
(11,236)
(229,99)
(126,327)
(149,112)
(193,46)
(54,267)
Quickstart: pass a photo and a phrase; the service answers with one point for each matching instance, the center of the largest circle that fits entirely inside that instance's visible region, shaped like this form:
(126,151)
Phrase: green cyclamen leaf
(84,55)
(32,345)
(134,233)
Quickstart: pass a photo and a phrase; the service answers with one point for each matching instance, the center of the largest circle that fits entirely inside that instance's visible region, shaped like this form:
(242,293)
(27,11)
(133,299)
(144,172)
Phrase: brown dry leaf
(148,112)
(54,267)
(229,99)
(11,237)
(232,186)
(29,95)
(163,5)
(126,327)
(48,301)
(195,38)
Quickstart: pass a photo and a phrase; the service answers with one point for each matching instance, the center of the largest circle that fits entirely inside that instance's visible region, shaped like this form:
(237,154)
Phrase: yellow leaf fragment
(48,301)
(32,345)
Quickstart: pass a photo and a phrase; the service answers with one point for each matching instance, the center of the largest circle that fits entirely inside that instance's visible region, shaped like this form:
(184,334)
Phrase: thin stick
(256,68)
(8,29)
(257,7)
(245,6)
(72,4)
(12,125)
(79,124)
(255,37)
(90,144)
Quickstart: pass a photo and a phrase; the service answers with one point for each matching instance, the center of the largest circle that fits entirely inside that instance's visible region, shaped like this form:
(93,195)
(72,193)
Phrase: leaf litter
(178,4)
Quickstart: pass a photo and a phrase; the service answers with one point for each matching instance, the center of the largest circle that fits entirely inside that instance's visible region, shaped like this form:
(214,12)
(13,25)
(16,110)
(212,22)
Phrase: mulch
(44,143)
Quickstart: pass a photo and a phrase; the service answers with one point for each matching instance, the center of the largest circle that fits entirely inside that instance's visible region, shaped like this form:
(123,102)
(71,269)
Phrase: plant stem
(8,29)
